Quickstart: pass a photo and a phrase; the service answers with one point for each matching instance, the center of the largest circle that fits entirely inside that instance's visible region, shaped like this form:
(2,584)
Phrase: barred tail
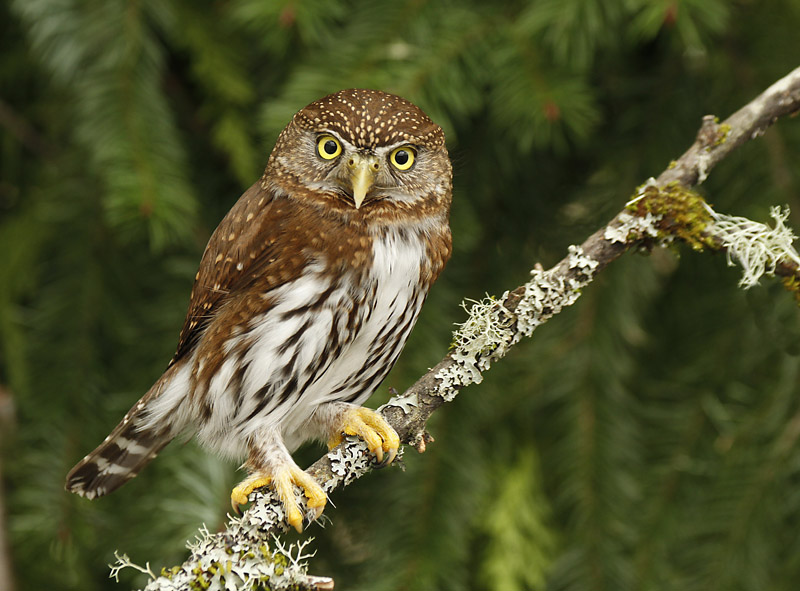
(132,444)
(118,459)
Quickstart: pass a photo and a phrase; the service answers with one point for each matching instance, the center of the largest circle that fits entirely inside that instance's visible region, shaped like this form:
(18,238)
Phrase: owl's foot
(283,481)
(370,426)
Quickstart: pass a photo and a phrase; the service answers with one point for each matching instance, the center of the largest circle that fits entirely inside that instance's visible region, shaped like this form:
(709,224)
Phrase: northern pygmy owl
(305,296)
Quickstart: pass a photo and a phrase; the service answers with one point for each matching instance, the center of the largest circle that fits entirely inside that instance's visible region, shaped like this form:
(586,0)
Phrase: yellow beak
(362,176)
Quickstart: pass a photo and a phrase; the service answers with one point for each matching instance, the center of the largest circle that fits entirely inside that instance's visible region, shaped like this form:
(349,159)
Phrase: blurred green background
(645,439)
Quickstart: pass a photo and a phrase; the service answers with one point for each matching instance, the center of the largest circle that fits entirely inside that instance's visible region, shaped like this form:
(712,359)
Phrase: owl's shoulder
(241,243)
(267,240)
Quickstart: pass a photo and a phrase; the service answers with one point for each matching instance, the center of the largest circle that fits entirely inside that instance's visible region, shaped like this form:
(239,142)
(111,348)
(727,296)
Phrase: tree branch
(663,210)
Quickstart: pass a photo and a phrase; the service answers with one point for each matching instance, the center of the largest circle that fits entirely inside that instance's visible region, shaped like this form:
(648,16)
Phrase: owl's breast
(387,305)
(390,301)
(327,336)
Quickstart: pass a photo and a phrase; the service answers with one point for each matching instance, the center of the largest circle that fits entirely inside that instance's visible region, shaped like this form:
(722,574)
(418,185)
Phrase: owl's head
(365,150)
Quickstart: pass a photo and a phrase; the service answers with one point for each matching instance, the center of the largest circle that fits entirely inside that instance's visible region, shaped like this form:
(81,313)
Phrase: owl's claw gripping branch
(283,482)
(370,426)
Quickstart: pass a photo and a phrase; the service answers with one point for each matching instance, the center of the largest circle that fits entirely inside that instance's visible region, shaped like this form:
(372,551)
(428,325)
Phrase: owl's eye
(328,147)
(403,157)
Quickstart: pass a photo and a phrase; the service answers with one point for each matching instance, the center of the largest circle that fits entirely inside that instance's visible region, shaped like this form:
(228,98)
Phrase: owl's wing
(238,251)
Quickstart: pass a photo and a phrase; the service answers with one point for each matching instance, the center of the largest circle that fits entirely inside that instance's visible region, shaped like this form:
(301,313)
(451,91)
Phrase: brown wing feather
(238,247)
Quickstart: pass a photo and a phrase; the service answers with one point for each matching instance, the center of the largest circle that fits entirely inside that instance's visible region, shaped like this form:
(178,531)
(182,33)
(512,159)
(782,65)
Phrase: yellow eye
(328,147)
(403,157)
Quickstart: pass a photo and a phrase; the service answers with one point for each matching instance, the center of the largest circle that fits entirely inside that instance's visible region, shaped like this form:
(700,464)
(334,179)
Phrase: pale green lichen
(238,566)
(124,562)
(584,265)
(635,223)
(487,330)
(491,329)
(629,227)
(656,213)
(756,247)
(484,336)
(405,402)
(659,214)
(349,462)
(547,293)
(674,211)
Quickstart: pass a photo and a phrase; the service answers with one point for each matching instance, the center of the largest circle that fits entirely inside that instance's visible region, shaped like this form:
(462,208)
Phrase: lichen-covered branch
(662,211)
(716,140)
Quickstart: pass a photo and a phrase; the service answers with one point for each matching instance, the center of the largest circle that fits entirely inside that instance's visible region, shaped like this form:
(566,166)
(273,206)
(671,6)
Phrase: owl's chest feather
(328,336)
(387,304)
(396,269)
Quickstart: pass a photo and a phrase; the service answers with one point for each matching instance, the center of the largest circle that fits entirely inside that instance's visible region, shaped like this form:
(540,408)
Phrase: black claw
(387,459)
(380,464)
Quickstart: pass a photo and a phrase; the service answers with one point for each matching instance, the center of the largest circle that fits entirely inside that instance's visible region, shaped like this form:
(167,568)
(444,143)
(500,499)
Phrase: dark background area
(647,438)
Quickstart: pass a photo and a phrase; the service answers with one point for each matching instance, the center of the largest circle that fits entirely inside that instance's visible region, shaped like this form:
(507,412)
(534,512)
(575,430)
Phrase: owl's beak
(362,175)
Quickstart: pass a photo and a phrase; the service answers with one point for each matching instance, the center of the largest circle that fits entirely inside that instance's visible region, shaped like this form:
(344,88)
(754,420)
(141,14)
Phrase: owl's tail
(118,459)
(129,448)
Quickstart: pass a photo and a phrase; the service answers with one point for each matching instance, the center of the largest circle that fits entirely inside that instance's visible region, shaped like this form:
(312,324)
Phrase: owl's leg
(272,465)
(337,419)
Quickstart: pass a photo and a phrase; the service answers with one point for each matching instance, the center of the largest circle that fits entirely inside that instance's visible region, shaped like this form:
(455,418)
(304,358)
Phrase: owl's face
(367,151)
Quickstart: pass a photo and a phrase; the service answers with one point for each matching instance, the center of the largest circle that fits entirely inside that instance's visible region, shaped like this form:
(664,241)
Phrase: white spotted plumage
(306,294)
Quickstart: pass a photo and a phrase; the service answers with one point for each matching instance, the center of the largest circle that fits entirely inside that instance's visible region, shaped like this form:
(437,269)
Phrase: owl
(306,294)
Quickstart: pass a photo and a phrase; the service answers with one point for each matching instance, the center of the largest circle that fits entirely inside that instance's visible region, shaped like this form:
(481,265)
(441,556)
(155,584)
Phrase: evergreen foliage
(646,438)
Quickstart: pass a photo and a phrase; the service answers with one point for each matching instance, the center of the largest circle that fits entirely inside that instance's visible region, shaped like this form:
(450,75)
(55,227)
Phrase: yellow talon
(370,426)
(283,482)
(241,492)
